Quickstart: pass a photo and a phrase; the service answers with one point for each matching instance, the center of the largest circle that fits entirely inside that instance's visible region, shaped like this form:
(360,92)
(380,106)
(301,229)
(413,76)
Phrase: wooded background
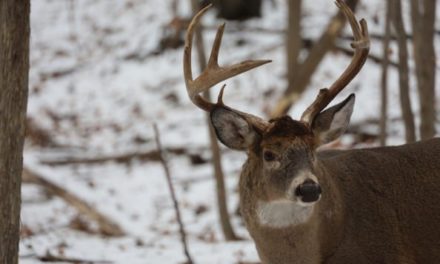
(100,73)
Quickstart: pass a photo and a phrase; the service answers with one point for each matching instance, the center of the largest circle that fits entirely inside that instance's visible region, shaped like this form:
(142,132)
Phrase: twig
(308,43)
(52,258)
(150,155)
(49,257)
(106,226)
(173,194)
(372,57)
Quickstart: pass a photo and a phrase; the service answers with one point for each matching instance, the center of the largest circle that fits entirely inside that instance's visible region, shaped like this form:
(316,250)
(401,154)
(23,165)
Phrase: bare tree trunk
(14,67)
(423,22)
(310,64)
(294,41)
(225,222)
(405,102)
(384,78)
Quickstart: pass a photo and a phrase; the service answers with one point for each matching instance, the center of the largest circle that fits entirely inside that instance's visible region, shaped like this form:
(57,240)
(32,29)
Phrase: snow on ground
(97,90)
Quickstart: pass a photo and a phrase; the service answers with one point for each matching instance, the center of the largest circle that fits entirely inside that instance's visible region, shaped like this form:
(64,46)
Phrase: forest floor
(98,82)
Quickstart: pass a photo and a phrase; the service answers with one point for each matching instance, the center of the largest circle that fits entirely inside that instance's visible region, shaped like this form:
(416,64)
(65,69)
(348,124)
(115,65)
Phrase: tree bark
(14,67)
(384,78)
(310,64)
(405,102)
(225,222)
(423,22)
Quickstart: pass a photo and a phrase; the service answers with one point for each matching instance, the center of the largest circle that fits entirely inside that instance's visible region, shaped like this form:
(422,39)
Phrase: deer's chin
(299,202)
(283,212)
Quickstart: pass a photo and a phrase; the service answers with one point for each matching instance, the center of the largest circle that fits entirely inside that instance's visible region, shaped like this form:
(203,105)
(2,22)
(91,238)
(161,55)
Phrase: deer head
(281,149)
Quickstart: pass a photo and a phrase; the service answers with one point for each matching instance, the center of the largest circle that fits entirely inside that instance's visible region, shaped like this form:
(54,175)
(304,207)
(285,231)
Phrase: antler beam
(213,74)
(361,45)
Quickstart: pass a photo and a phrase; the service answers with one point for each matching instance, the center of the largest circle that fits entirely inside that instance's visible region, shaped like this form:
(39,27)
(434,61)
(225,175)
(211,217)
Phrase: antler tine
(213,58)
(213,73)
(361,45)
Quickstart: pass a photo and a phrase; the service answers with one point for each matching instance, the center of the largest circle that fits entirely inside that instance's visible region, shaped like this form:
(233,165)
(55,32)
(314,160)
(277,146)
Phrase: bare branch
(106,226)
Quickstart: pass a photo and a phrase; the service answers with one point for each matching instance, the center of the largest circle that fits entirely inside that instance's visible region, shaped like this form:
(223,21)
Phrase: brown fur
(286,127)
(378,205)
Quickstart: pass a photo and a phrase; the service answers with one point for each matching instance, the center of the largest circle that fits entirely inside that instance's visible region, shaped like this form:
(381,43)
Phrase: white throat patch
(283,213)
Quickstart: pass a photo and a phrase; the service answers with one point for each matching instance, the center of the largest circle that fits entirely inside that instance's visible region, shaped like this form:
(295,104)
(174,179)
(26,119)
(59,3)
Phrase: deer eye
(269,155)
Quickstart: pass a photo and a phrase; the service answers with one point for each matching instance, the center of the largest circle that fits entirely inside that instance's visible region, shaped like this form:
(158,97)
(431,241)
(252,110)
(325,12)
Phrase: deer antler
(361,45)
(213,74)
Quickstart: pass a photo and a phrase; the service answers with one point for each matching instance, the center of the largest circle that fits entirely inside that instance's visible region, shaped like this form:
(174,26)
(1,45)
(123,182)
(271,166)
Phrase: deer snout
(309,191)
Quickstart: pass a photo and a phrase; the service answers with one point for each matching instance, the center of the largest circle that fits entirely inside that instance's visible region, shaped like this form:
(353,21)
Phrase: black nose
(309,191)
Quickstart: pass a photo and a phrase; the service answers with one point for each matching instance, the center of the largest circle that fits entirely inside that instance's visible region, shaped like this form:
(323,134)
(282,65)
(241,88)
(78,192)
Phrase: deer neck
(308,239)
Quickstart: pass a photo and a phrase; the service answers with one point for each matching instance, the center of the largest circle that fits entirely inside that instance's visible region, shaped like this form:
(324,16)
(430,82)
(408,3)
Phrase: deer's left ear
(332,123)
(233,129)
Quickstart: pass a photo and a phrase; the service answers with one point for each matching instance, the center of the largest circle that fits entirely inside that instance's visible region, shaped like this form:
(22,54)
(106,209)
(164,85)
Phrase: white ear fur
(232,129)
(332,123)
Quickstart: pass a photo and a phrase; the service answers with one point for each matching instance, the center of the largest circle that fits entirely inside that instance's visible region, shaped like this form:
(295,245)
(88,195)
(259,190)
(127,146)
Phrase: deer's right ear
(232,129)
(332,123)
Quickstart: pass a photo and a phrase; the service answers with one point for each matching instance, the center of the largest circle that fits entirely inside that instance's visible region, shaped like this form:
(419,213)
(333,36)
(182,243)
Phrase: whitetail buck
(300,205)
